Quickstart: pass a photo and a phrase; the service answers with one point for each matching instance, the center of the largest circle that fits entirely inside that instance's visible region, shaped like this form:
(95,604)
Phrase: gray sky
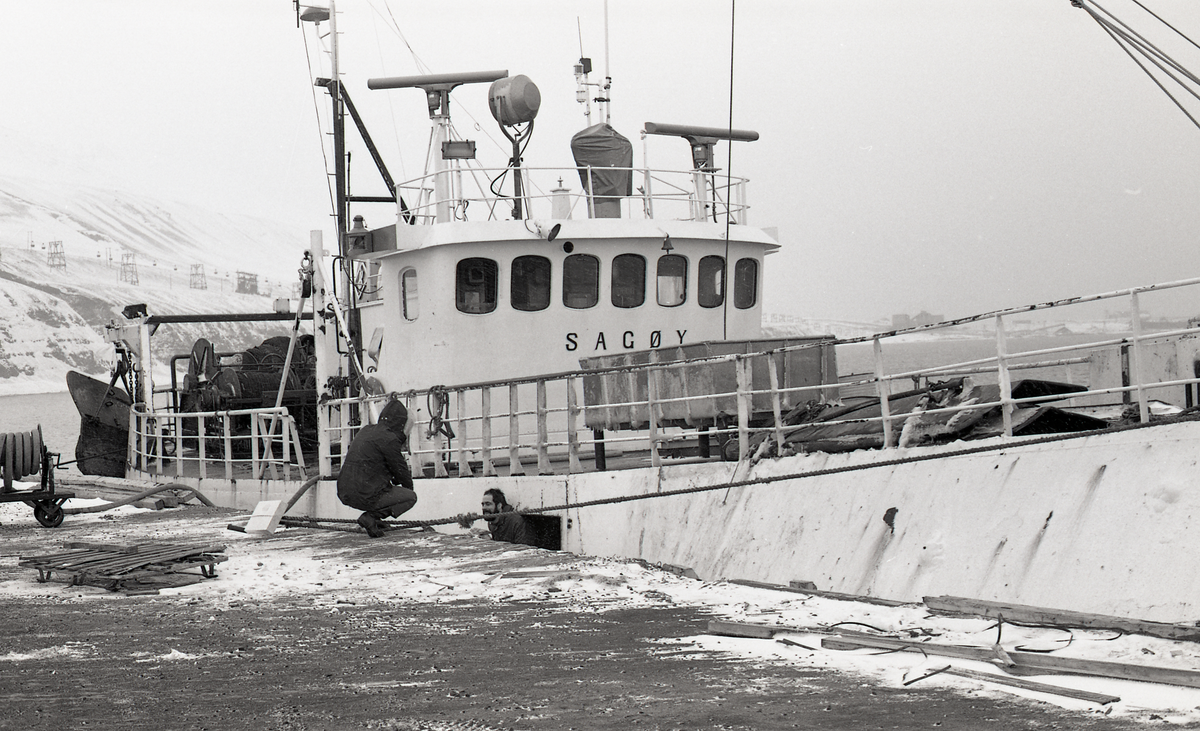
(927,154)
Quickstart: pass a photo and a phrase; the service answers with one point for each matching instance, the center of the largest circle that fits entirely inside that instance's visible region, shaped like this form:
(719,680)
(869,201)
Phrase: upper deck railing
(556,193)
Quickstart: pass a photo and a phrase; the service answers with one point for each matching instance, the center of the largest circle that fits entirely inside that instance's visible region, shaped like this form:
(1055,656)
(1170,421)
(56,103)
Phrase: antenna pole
(606,113)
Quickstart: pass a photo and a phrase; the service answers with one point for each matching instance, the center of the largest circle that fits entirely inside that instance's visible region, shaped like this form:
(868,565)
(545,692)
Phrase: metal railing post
(543,431)
(228,446)
(158,445)
(464,459)
(435,443)
(178,447)
(885,407)
(573,464)
(1139,378)
(202,446)
(776,406)
(485,431)
(1006,401)
(652,416)
(287,427)
(131,441)
(742,368)
(649,194)
(591,191)
(514,433)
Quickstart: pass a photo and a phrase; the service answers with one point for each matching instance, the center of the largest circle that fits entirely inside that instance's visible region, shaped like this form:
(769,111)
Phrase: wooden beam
(1083,695)
(1025,663)
(1059,617)
(743,629)
(800,589)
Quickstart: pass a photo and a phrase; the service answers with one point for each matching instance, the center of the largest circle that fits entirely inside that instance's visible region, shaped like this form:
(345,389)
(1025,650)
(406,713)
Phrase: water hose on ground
(141,496)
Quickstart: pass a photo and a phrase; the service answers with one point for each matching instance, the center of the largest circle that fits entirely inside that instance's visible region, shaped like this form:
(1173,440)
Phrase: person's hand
(465,520)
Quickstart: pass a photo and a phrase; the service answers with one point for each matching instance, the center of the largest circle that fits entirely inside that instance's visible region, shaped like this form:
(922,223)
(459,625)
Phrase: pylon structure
(197,280)
(129,268)
(247,283)
(56,258)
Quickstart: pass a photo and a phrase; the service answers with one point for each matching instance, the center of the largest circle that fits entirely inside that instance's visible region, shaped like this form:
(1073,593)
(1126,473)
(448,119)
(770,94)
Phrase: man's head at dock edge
(494,502)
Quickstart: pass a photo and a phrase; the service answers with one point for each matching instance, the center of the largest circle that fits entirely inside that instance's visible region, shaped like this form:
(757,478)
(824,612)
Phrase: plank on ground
(1060,617)
(806,587)
(1083,695)
(1025,663)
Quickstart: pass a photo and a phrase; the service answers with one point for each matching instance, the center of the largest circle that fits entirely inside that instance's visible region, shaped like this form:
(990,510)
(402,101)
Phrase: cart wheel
(49,514)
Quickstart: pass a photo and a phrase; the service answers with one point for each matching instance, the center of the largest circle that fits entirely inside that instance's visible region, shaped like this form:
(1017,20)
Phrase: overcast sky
(952,156)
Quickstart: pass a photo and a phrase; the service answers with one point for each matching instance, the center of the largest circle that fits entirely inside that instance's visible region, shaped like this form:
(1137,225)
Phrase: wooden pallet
(132,569)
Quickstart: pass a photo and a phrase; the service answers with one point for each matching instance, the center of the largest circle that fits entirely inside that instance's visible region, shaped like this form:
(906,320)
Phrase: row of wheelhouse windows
(477,281)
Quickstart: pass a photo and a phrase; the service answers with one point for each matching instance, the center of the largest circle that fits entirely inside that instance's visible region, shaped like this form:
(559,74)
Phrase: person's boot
(371,525)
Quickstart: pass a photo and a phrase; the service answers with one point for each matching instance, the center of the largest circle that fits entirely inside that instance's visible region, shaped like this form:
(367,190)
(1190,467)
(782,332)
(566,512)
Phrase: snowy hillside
(119,249)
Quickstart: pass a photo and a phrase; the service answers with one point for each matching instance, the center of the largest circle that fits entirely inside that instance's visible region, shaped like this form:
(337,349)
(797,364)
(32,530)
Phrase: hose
(141,496)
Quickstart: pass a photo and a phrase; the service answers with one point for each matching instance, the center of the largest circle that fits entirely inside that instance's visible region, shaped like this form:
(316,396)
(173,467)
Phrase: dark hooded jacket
(375,461)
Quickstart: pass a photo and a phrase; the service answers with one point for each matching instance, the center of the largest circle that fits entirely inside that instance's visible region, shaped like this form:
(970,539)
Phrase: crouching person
(375,477)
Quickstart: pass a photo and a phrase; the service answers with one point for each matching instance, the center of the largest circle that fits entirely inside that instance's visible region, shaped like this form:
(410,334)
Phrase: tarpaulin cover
(600,146)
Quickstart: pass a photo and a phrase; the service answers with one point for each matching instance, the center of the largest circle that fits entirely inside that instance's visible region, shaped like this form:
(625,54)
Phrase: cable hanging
(1135,44)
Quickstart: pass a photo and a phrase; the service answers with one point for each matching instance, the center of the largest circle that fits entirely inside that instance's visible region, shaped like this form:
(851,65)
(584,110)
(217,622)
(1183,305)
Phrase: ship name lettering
(627,340)
(600,342)
(571,344)
(681,333)
(656,338)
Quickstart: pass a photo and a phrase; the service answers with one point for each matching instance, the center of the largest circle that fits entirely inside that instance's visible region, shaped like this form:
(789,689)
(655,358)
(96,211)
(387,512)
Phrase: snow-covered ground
(300,563)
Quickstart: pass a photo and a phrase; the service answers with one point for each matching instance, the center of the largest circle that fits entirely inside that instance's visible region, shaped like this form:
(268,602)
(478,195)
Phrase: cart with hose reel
(24,454)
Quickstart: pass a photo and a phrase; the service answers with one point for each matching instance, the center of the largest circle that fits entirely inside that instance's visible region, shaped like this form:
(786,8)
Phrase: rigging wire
(1129,41)
(320,128)
(1180,33)
(728,179)
(1147,48)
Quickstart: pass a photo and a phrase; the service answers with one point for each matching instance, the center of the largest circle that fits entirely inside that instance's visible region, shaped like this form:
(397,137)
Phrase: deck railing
(241,443)
(661,194)
(541,424)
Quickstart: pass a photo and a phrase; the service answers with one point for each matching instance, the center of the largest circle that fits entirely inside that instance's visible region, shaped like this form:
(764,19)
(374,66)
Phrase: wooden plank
(110,547)
(1083,695)
(1059,617)
(817,592)
(1025,663)
(743,629)
(853,641)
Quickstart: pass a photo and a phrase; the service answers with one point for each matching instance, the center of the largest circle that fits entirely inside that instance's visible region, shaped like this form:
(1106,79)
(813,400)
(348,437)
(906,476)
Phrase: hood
(394,416)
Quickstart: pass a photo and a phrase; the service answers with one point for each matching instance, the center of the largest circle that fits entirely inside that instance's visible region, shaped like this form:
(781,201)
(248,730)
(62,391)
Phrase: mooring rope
(311,522)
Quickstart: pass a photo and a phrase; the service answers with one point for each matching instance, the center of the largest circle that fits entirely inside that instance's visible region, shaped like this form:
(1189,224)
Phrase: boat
(588,339)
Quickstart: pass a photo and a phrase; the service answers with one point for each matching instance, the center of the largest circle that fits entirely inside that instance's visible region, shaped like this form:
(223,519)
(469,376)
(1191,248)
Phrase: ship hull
(1098,523)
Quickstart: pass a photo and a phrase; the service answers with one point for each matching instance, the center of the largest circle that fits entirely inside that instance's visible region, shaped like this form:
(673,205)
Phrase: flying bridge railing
(240,443)
(662,193)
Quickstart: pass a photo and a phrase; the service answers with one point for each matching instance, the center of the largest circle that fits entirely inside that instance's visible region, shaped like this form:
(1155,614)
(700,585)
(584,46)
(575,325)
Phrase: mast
(339,134)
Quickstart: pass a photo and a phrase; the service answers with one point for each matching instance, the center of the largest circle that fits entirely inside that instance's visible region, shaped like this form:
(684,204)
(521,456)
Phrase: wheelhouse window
(409,303)
(529,285)
(745,284)
(710,285)
(366,281)
(628,280)
(672,280)
(581,281)
(475,285)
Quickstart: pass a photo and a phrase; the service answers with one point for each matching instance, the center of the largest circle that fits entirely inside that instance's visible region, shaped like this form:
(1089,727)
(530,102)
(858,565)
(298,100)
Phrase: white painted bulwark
(1100,524)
